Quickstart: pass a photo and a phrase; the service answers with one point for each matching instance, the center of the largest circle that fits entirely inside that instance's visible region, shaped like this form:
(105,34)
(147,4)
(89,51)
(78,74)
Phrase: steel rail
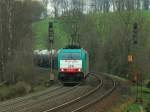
(79,98)
(5,107)
(80,109)
(15,101)
(30,96)
(48,97)
(21,99)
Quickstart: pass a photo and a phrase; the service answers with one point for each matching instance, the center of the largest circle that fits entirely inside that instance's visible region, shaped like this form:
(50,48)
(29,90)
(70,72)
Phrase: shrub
(148,84)
(22,88)
(147,107)
(11,91)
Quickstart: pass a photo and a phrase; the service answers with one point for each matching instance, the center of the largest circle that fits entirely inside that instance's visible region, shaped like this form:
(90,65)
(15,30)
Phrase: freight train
(42,58)
(73,65)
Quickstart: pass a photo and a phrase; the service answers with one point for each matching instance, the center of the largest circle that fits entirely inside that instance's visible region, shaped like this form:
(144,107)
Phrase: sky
(49,8)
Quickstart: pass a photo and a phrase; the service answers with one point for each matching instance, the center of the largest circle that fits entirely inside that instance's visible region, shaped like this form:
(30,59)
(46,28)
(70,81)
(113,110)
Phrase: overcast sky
(50,8)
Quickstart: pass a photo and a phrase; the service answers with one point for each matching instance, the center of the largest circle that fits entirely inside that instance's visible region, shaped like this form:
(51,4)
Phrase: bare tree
(146,4)
(45,2)
(6,33)
(56,5)
(15,38)
(64,5)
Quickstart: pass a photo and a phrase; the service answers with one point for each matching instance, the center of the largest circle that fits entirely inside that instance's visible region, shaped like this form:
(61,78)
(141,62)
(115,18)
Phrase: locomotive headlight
(62,70)
(79,69)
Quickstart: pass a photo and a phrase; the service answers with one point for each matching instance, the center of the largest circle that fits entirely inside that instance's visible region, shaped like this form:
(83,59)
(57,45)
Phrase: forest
(104,27)
(115,33)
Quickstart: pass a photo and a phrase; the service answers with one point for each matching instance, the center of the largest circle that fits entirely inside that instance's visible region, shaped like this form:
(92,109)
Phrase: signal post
(51,41)
(132,61)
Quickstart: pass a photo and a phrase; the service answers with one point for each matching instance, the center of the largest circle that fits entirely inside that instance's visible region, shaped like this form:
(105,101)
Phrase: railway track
(20,103)
(32,102)
(19,100)
(61,99)
(105,94)
(81,103)
(68,95)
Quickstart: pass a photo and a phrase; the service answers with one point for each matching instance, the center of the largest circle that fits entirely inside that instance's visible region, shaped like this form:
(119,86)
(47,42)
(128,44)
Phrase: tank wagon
(42,58)
(73,65)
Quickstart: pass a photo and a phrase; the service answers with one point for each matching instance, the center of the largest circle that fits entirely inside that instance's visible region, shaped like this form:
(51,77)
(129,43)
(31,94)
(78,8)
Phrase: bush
(19,89)
(22,88)
(148,107)
(6,94)
(12,91)
(148,84)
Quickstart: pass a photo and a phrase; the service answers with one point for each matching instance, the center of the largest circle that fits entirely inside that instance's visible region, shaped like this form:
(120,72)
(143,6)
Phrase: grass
(119,78)
(18,90)
(145,93)
(39,88)
(8,92)
(4,90)
(134,107)
(121,107)
(11,91)
(40,28)
(130,105)
(40,34)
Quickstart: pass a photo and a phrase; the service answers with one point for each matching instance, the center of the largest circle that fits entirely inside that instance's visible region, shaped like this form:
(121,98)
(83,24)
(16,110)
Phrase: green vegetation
(39,88)
(18,90)
(24,88)
(145,93)
(107,41)
(4,90)
(12,91)
(133,108)
(136,107)
(40,34)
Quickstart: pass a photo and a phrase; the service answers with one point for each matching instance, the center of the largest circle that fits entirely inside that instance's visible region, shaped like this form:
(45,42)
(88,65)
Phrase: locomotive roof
(72,50)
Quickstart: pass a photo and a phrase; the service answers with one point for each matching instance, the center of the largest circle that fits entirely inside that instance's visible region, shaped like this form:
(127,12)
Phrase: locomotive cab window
(71,56)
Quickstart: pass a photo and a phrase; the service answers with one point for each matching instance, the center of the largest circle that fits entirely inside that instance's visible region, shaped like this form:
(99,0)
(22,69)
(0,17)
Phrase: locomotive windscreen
(71,56)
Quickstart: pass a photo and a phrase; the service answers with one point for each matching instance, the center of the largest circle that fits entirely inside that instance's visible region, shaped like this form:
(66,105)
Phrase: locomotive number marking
(71,66)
